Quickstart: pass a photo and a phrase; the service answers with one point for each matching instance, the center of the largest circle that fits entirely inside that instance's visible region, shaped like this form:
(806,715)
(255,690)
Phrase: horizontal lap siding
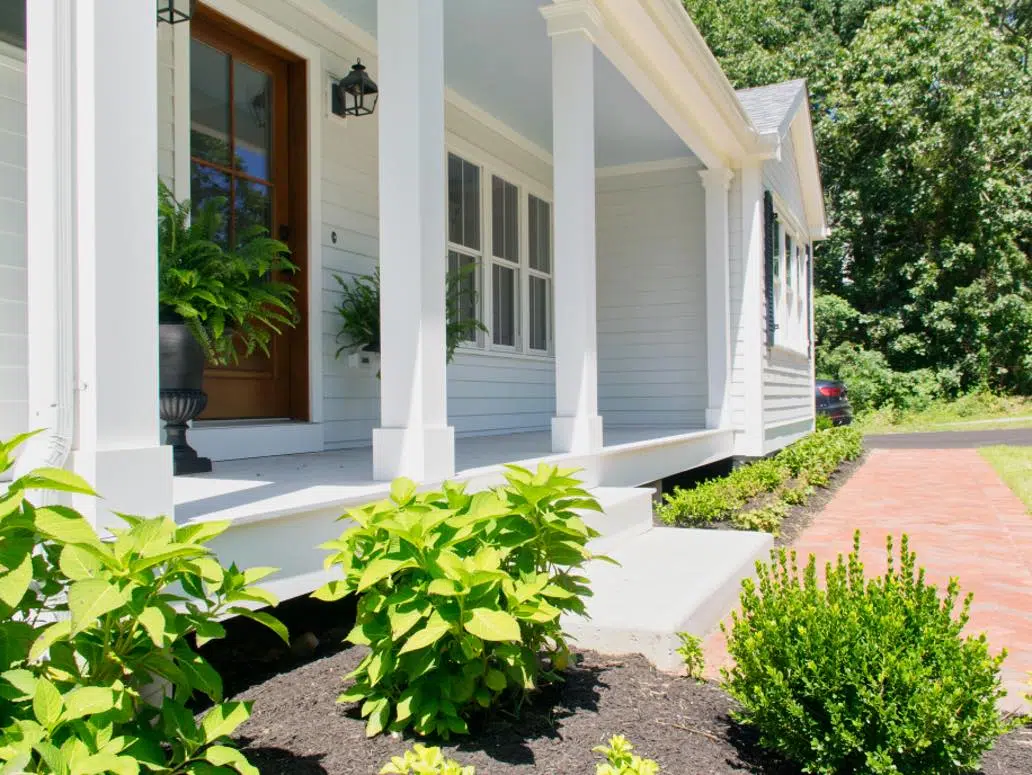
(487,394)
(13,309)
(651,299)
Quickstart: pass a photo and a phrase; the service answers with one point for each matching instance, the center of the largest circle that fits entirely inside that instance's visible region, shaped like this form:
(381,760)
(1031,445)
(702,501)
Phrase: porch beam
(717,182)
(93,170)
(414,439)
(577,426)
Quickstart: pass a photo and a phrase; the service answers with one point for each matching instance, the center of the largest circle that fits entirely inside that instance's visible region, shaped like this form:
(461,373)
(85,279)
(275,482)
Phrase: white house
(642,235)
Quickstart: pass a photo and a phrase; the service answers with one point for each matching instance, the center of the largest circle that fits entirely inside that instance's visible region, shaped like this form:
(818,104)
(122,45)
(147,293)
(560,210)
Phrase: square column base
(421,454)
(579,435)
(135,481)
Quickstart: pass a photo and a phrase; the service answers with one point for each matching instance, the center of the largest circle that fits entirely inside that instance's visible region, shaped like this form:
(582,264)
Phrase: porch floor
(267,487)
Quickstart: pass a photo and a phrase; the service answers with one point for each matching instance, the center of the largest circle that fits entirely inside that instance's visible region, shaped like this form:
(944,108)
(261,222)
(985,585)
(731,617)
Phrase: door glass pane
(209,194)
(539,301)
(252,210)
(462,305)
(12,22)
(504,296)
(209,103)
(505,219)
(540,234)
(252,97)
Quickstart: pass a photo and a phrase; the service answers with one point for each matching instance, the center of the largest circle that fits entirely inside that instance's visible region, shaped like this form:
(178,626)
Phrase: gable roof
(771,108)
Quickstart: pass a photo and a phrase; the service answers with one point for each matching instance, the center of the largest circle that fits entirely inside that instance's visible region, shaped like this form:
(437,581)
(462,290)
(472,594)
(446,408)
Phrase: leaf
(495,679)
(493,625)
(403,621)
(153,621)
(65,525)
(444,587)
(101,763)
(53,479)
(380,569)
(77,563)
(379,715)
(402,491)
(56,631)
(87,700)
(223,719)
(222,755)
(15,583)
(268,620)
(90,599)
(430,633)
(46,703)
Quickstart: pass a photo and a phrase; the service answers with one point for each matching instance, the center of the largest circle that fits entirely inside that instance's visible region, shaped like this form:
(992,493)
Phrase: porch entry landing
(259,489)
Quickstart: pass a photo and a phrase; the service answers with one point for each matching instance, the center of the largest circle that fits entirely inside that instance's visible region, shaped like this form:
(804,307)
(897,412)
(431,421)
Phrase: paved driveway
(962,521)
(951,439)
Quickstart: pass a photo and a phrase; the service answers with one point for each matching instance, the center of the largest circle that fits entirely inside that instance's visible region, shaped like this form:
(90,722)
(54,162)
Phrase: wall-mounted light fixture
(356,94)
(175,11)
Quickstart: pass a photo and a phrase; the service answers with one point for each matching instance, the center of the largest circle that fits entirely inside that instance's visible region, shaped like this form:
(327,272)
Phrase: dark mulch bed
(298,729)
(798,517)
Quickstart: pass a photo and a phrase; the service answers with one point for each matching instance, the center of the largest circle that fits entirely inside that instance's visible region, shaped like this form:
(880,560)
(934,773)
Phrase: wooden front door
(244,149)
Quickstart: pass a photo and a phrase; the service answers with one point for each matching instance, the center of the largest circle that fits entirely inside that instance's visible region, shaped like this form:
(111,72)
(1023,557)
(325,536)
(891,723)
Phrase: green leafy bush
(766,519)
(92,632)
(691,652)
(621,759)
(862,675)
(420,760)
(231,297)
(816,457)
(460,594)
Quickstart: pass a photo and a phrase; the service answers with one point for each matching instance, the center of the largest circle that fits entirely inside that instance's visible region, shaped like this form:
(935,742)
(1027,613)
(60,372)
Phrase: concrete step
(669,580)
(627,512)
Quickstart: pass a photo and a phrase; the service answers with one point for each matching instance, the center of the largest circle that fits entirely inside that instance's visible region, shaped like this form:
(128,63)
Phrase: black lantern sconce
(175,11)
(356,94)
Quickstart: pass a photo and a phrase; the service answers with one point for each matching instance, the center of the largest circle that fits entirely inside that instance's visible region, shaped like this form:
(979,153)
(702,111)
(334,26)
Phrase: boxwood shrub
(863,675)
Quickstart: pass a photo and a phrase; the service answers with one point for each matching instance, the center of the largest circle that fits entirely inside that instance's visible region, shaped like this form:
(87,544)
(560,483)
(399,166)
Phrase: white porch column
(577,426)
(92,205)
(414,439)
(716,182)
(749,437)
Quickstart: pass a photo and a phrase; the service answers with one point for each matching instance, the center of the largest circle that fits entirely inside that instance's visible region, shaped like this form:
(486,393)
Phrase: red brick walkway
(962,521)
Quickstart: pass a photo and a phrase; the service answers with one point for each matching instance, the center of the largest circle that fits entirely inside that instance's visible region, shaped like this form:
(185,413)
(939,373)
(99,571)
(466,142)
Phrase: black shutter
(769,231)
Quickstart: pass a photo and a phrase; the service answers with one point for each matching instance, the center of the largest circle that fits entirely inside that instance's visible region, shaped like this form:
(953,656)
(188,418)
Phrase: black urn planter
(181,369)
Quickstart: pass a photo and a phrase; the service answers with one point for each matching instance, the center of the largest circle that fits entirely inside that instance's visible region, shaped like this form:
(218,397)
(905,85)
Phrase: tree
(923,116)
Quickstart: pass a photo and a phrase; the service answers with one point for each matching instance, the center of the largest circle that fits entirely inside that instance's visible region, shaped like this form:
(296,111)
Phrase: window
(503,248)
(505,253)
(790,297)
(12,23)
(540,272)
(464,254)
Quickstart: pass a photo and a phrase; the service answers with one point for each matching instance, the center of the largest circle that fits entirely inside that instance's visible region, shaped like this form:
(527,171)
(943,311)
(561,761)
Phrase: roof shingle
(769,106)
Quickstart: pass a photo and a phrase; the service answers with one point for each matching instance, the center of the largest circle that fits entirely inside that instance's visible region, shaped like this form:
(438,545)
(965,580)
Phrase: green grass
(1014,465)
(977,411)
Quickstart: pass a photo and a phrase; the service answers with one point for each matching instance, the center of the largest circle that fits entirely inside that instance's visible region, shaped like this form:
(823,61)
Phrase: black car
(832,401)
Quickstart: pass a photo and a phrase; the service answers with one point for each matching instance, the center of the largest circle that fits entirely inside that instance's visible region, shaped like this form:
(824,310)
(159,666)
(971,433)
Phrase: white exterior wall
(487,393)
(13,322)
(651,299)
(788,398)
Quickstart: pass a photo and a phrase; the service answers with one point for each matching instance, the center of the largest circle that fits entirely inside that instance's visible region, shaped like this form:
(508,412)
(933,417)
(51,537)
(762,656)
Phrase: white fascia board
(808,166)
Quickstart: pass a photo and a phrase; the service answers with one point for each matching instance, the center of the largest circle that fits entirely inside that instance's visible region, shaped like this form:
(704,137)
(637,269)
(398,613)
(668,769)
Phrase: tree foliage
(923,116)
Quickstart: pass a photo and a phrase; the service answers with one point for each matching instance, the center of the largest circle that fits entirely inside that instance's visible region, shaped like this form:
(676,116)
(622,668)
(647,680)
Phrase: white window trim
(526,186)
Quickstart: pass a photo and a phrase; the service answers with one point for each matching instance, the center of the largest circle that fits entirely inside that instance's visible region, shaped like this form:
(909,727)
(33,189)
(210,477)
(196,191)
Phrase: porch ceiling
(498,56)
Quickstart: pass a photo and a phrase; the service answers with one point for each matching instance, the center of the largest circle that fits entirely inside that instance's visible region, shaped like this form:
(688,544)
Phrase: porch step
(627,512)
(669,580)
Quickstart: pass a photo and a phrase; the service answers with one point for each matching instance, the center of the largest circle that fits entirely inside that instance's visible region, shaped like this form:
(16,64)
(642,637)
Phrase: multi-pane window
(539,281)
(503,249)
(464,251)
(505,254)
(791,287)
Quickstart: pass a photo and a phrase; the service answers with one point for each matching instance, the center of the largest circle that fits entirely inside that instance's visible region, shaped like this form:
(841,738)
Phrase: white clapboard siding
(14,357)
(651,299)
(487,393)
(788,400)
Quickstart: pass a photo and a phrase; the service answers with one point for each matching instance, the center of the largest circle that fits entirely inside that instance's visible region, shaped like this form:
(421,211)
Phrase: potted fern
(216,304)
(359,311)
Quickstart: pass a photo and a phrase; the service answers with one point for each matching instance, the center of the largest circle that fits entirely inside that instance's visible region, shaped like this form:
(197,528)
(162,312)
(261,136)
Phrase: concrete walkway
(962,521)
